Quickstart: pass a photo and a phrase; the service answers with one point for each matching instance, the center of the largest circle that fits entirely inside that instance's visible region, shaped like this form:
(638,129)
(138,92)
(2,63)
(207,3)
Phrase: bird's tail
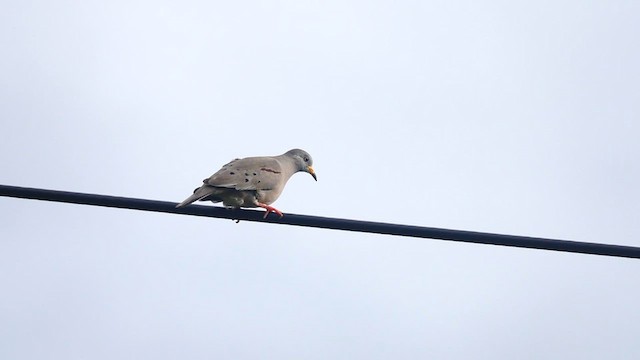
(199,194)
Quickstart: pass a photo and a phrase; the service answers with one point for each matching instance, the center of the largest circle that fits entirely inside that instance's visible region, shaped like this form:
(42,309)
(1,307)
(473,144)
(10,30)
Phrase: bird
(253,181)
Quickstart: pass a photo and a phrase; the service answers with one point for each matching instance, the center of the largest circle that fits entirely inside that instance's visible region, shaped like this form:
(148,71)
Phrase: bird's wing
(253,173)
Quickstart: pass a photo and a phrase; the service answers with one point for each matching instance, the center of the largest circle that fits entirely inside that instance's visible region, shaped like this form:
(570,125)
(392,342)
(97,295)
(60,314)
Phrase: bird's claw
(270,209)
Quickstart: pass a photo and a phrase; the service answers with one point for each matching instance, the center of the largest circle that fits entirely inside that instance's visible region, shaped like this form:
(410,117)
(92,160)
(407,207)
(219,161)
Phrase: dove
(253,181)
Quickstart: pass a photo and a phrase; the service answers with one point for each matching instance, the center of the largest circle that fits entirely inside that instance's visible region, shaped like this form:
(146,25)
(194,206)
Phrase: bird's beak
(312,172)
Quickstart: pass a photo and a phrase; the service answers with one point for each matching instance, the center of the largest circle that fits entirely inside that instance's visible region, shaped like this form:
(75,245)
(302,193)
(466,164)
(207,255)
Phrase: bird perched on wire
(253,181)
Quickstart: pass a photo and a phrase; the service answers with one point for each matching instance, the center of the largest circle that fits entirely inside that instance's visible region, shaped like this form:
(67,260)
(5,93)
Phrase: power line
(323,222)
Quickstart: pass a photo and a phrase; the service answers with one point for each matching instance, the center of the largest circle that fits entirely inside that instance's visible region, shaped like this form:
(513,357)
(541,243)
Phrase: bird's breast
(267,196)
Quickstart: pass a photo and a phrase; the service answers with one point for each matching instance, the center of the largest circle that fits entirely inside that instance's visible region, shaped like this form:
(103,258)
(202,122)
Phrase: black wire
(323,222)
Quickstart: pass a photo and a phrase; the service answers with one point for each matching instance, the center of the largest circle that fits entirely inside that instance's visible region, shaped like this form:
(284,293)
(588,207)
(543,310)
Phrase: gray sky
(508,117)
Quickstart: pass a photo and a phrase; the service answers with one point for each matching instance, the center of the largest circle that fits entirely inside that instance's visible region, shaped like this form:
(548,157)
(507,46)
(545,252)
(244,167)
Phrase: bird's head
(303,161)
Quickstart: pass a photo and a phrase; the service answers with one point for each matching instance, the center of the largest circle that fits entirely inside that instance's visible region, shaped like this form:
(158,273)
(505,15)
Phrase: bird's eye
(306,159)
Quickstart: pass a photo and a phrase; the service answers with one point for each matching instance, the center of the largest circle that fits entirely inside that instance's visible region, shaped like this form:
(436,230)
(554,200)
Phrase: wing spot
(270,170)
(232,173)
(246,180)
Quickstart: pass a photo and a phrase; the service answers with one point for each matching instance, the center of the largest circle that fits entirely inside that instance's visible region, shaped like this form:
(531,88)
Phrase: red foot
(270,209)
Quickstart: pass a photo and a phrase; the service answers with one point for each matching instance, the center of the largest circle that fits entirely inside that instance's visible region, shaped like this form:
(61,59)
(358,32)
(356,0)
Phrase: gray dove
(252,182)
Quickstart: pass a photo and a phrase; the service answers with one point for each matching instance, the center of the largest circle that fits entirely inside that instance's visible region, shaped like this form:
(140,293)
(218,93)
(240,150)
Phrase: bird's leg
(269,209)
(231,208)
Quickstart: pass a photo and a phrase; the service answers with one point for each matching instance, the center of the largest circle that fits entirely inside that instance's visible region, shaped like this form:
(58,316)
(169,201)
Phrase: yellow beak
(312,172)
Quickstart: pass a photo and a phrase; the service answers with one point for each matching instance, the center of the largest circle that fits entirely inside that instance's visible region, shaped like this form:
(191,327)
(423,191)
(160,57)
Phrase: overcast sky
(508,117)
